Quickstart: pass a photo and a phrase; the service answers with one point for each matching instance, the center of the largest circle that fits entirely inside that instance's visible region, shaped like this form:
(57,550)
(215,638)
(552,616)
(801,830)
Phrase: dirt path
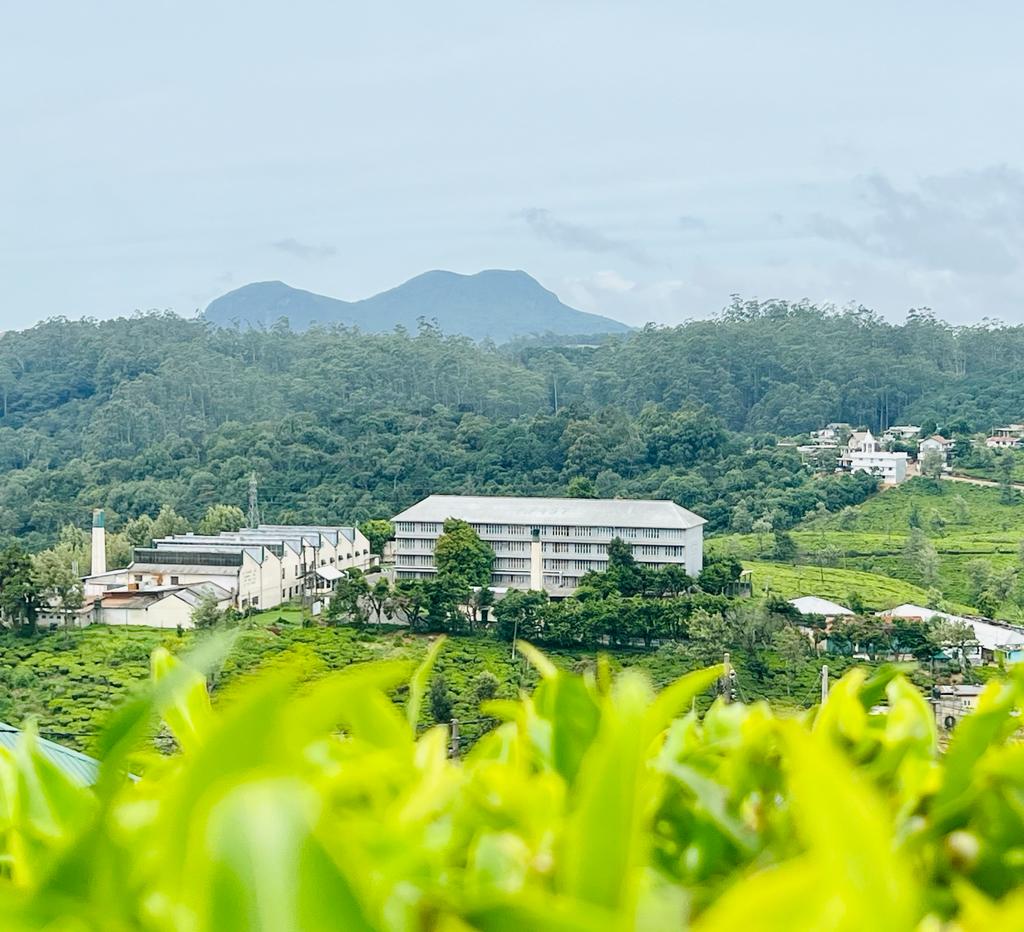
(970,480)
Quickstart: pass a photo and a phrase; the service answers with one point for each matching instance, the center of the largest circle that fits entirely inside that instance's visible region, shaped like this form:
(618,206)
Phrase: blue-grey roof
(521,509)
(80,767)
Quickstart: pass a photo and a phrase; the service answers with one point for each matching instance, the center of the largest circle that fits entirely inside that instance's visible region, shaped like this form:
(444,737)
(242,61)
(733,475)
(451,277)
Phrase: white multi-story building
(550,543)
(863,453)
(891,468)
(260,567)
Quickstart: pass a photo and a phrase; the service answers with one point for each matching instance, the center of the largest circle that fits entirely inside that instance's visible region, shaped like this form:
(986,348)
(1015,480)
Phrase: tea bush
(597,804)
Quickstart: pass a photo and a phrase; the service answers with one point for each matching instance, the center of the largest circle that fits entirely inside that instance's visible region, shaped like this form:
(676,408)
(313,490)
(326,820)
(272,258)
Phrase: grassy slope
(872,538)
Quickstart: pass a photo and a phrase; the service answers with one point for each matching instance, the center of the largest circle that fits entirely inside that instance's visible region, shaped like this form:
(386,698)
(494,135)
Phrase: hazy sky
(641,159)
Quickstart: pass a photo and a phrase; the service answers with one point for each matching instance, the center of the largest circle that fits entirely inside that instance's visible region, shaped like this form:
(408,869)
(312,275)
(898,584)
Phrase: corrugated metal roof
(588,512)
(813,605)
(80,767)
(988,636)
(209,588)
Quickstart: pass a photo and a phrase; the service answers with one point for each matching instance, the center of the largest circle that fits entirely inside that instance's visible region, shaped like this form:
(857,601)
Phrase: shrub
(597,804)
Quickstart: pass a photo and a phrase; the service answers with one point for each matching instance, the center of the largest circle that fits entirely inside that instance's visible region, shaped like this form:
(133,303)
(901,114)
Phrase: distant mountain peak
(499,304)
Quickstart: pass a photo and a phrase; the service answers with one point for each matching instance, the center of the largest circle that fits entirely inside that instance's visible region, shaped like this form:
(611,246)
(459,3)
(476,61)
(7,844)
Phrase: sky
(644,160)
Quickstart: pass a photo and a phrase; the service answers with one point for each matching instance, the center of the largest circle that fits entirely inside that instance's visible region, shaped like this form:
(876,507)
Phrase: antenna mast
(254,502)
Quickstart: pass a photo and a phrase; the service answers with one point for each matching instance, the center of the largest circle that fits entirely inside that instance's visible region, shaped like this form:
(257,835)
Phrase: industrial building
(254,568)
(550,543)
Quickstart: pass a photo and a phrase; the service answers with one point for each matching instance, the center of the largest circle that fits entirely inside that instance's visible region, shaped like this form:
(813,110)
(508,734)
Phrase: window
(559,530)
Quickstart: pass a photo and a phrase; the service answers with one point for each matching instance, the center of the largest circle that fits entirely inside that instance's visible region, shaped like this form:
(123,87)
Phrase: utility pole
(824,682)
(453,750)
(254,501)
(726,678)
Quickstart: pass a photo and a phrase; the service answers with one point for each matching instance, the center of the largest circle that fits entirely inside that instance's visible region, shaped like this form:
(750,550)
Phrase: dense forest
(339,425)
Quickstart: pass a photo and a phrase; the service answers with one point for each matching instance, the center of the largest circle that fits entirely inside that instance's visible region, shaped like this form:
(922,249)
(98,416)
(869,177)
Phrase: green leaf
(418,683)
(259,865)
(605,843)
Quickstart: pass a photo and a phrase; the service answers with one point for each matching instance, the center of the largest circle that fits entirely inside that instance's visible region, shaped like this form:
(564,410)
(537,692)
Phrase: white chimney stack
(536,562)
(99,543)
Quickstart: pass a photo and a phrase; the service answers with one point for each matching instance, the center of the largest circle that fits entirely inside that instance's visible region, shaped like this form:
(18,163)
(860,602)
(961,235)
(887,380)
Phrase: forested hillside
(340,425)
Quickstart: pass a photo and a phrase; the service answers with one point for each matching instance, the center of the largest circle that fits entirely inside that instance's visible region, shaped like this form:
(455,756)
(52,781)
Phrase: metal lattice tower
(254,502)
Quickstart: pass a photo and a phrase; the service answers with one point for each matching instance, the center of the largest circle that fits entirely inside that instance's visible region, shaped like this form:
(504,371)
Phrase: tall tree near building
(168,522)
(206,614)
(378,531)
(623,571)
(931,465)
(57,584)
(20,599)
(460,554)
(221,518)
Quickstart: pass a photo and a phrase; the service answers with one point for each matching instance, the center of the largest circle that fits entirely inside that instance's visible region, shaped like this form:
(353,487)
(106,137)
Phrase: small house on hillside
(864,453)
(901,433)
(1010,430)
(1002,442)
(936,443)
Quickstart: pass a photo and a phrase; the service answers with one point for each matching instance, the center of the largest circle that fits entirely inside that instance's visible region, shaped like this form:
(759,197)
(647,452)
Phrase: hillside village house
(1010,430)
(550,543)
(901,433)
(252,568)
(831,434)
(936,443)
(1003,442)
(863,453)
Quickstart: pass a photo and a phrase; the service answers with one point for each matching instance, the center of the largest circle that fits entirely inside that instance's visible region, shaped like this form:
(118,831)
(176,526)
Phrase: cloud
(692,224)
(967,223)
(608,292)
(302,250)
(578,236)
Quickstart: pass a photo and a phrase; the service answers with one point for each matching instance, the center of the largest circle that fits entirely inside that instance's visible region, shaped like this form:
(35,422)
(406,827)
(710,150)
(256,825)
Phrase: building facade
(550,543)
(863,453)
(936,443)
(259,567)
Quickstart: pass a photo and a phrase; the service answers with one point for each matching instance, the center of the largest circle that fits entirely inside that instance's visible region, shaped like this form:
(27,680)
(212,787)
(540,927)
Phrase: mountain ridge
(497,304)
